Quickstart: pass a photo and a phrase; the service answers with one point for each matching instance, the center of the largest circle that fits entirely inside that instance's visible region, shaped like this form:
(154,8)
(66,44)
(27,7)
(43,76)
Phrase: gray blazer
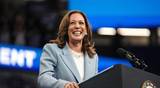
(57,67)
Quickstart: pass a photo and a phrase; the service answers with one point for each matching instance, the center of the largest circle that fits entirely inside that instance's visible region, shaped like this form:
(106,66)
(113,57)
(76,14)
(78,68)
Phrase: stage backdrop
(119,13)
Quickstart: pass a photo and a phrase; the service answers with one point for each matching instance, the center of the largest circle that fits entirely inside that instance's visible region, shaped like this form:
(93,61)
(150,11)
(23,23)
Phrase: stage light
(144,32)
(106,31)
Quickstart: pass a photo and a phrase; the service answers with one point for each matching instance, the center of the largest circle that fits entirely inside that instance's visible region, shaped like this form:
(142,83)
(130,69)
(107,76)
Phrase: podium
(120,76)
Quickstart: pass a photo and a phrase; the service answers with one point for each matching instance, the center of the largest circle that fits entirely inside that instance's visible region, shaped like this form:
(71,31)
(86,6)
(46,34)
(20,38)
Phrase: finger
(67,85)
(71,85)
(75,85)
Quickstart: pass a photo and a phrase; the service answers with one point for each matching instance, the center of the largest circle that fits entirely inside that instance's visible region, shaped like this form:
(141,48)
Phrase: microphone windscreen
(121,52)
(125,54)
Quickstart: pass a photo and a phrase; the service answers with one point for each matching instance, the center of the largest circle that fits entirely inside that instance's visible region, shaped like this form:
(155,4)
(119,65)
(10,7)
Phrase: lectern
(120,76)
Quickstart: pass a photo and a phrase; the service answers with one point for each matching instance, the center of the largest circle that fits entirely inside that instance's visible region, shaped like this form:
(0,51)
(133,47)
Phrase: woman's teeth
(77,33)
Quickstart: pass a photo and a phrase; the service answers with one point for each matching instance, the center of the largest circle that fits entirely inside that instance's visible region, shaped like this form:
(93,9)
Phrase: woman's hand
(71,85)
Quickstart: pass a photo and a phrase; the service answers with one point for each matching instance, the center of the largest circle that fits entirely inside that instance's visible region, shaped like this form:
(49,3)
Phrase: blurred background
(26,25)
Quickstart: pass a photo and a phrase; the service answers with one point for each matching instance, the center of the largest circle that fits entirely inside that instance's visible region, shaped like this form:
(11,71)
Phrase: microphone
(138,63)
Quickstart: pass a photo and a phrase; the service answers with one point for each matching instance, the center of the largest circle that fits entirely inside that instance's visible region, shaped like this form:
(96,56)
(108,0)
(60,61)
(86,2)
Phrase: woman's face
(77,27)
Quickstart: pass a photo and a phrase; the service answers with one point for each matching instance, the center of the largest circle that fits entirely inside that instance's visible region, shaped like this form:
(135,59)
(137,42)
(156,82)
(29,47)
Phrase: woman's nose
(77,25)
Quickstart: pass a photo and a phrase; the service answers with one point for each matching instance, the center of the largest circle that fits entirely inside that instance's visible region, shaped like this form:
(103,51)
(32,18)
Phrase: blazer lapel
(87,66)
(68,60)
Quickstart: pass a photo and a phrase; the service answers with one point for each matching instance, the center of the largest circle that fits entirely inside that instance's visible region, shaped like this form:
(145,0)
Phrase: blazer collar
(68,60)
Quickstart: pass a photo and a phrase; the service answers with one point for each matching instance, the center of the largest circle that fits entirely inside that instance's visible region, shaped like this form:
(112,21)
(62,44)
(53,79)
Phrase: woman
(71,57)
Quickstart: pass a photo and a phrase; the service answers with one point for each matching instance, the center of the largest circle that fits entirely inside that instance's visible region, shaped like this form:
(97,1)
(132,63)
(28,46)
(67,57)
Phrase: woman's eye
(72,22)
(81,22)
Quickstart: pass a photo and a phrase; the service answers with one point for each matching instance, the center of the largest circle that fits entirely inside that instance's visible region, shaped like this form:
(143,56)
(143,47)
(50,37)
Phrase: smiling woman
(76,28)
(72,53)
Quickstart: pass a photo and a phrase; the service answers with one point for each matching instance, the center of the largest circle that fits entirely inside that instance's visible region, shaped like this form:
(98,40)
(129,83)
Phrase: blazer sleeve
(48,61)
